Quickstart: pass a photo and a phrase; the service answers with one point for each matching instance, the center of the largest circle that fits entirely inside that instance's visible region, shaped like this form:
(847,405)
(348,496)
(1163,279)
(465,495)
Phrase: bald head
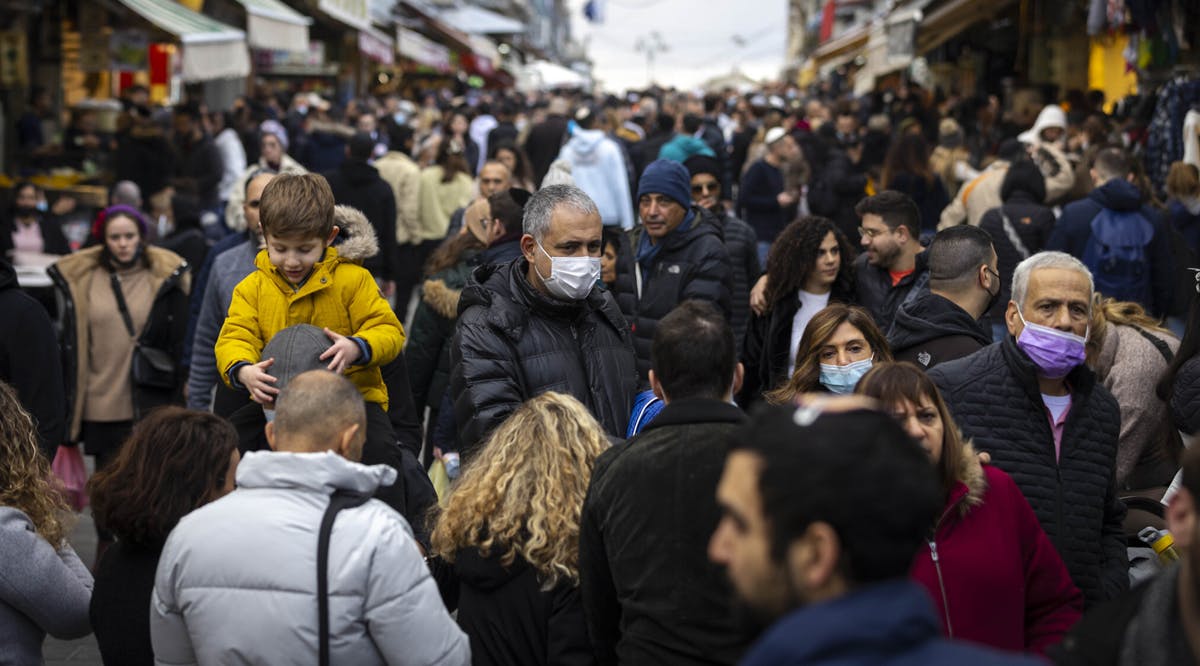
(254,191)
(126,193)
(493,177)
(319,411)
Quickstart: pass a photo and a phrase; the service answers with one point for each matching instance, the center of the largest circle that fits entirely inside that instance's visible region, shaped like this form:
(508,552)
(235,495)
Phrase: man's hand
(785,199)
(62,206)
(258,382)
(758,296)
(343,351)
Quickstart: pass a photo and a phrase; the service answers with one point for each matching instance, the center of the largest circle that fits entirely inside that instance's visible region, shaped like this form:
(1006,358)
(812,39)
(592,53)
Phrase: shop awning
(272,25)
(211,49)
(843,47)
(377,45)
(422,50)
(951,18)
(479,21)
(353,13)
(544,75)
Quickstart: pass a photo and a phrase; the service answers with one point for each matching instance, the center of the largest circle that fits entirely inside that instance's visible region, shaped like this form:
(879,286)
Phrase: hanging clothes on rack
(1164,144)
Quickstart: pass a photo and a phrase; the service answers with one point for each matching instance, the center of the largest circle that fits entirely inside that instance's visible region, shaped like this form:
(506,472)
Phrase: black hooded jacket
(691,264)
(358,185)
(932,329)
(513,343)
(29,360)
(880,297)
(507,616)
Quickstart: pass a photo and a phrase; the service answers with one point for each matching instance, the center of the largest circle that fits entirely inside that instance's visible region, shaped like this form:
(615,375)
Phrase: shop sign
(128,50)
(422,50)
(14,69)
(901,40)
(93,45)
(375,48)
(314,57)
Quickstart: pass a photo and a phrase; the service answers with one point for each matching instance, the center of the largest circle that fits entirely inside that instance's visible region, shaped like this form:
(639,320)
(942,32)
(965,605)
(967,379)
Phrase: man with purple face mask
(1030,402)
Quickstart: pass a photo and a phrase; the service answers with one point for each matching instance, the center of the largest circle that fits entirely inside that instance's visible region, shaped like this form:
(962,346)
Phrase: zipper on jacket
(937,567)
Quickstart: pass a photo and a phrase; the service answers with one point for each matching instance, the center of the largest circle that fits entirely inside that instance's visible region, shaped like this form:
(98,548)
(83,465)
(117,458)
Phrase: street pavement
(82,651)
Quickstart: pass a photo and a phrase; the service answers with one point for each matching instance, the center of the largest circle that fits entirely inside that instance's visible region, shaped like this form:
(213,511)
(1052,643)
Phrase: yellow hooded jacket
(339,295)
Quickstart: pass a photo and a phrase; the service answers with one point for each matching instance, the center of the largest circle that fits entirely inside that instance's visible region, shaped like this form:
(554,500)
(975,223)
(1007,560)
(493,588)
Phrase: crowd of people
(759,379)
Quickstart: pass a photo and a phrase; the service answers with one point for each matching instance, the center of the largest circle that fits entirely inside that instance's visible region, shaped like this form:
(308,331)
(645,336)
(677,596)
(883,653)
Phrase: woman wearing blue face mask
(838,347)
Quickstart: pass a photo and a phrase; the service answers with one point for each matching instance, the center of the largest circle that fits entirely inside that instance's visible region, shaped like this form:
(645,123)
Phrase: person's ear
(332,235)
(813,558)
(347,445)
(1012,319)
(1181,518)
(270,433)
(657,387)
(529,248)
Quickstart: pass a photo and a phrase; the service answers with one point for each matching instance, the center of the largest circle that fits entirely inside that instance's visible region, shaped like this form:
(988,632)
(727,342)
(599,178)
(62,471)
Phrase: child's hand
(258,382)
(343,351)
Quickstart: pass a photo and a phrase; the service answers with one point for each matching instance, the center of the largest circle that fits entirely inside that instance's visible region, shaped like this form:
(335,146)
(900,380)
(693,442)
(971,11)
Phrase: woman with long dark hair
(810,265)
(122,296)
(175,461)
(511,156)
(841,343)
(906,169)
(44,588)
(989,568)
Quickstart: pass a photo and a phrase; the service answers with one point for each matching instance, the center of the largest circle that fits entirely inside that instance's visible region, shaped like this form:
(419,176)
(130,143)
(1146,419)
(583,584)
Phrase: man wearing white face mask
(1029,402)
(540,323)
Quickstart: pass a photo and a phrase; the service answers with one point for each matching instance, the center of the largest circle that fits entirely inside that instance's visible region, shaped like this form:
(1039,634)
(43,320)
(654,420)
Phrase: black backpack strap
(339,500)
(119,294)
(1161,346)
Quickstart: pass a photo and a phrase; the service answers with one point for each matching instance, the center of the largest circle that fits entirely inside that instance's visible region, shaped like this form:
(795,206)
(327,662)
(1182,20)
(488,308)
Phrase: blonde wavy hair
(522,493)
(1107,311)
(26,482)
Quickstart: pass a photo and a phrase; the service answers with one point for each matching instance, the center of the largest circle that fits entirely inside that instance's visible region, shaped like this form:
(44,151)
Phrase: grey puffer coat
(236,583)
(994,397)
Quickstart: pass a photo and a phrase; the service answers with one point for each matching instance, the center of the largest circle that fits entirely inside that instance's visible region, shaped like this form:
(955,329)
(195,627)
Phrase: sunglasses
(704,188)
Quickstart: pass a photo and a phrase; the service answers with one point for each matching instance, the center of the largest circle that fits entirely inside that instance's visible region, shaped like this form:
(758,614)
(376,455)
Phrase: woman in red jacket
(991,571)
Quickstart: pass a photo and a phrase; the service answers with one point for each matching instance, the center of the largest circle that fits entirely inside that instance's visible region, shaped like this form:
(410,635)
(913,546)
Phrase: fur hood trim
(442,299)
(970,474)
(357,236)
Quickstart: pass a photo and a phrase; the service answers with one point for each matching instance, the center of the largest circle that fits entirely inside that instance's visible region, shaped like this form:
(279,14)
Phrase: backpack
(1116,255)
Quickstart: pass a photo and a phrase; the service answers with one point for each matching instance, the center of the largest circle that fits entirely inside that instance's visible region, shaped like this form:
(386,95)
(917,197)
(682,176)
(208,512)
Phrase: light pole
(651,45)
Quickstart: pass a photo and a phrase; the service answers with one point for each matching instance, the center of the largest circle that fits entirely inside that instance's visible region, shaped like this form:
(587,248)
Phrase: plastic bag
(68,467)
(441,480)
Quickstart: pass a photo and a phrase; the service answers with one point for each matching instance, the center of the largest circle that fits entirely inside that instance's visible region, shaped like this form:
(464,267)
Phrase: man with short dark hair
(357,184)
(893,267)
(824,507)
(943,323)
(658,600)
(1121,240)
(198,167)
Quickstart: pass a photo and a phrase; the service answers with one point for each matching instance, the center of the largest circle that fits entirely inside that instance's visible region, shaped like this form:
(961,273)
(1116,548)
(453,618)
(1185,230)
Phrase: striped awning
(211,49)
(272,25)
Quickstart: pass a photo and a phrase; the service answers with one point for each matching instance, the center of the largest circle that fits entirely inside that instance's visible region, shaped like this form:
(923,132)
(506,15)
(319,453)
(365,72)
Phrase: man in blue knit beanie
(677,253)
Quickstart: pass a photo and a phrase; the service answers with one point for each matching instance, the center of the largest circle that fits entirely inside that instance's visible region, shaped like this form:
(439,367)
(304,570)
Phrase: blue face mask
(841,379)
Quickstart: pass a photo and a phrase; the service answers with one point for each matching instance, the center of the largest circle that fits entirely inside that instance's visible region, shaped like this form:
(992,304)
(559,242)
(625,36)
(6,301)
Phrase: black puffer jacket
(513,343)
(1031,222)
(994,397)
(932,329)
(691,264)
(879,297)
(30,362)
(742,245)
(358,185)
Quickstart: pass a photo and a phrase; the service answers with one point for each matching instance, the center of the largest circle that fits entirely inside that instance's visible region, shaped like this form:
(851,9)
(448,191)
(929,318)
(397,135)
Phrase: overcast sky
(699,35)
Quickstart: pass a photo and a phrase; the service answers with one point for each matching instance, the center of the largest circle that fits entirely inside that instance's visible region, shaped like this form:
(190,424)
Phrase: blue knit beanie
(668,178)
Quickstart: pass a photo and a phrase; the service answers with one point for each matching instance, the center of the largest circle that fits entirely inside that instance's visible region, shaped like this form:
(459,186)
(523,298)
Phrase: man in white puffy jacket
(237,580)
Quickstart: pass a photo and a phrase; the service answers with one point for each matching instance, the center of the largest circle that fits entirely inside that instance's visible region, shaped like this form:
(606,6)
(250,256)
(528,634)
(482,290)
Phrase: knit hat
(703,164)
(275,128)
(774,134)
(296,350)
(101,221)
(668,178)
(1185,398)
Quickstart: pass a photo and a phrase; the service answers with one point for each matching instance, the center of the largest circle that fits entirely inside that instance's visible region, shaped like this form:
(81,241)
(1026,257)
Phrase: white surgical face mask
(571,278)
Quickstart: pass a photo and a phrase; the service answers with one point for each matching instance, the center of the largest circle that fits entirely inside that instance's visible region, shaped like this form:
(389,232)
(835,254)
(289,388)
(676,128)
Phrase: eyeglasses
(871,233)
(705,188)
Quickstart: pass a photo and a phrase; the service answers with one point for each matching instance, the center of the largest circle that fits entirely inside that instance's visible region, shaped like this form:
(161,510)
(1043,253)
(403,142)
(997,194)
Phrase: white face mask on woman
(571,278)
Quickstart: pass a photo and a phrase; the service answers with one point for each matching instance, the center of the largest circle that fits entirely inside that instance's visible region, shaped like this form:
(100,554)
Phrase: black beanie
(702,164)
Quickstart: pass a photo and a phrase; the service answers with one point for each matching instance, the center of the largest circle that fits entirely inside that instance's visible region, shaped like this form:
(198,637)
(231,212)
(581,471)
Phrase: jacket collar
(318,279)
(322,472)
(696,410)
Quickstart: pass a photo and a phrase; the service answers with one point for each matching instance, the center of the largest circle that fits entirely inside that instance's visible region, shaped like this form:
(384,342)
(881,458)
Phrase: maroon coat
(998,580)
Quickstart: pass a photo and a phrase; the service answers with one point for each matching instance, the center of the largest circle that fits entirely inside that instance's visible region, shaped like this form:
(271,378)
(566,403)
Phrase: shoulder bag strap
(337,501)
(1013,237)
(1161,346)
(120,296)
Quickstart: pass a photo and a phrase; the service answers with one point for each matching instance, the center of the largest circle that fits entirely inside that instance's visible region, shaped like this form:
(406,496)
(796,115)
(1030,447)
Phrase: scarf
(647,251)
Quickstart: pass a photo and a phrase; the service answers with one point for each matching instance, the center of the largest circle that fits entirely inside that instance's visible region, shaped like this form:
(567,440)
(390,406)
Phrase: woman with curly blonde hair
(509,539)
(44,588)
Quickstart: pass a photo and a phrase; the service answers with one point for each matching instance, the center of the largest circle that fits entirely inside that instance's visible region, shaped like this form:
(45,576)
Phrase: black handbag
(152,368)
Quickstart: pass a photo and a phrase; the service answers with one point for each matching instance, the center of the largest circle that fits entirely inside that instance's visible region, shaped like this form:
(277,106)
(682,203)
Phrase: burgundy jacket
(996,579)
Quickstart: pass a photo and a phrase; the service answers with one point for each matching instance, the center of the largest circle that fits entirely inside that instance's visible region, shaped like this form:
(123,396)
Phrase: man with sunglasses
(740,239)
(893,267)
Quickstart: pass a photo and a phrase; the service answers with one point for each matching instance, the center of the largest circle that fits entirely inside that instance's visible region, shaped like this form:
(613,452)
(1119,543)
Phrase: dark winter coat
(428,348)
(1032,222)
(879,297)
(121,601)
(742,245)
(767,348)
(513,343)
(1073,231)
(930,197)
(358,185)
(165,327)
(930,329)
(1186,223)
(692,263)
(714,138)
(758,200)
(145,157)
(660,600)
(29,360)
(198,171)
(837,186)
(994,397)
(882,624)
(1004,584)
(543,143)
(509,618)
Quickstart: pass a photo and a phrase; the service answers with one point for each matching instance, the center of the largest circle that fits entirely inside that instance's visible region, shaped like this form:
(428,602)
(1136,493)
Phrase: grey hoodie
(42,591)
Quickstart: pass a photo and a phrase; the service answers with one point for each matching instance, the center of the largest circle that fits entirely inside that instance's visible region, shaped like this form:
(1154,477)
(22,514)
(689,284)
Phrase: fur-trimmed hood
(971,476)
(442,298)
(356,239)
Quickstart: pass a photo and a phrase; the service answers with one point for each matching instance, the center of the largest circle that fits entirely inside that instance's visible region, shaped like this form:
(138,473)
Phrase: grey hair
(1020,278)
(541,207)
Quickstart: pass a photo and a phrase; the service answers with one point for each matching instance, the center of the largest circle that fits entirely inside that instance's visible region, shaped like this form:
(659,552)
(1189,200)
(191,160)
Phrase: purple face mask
(1056,353)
